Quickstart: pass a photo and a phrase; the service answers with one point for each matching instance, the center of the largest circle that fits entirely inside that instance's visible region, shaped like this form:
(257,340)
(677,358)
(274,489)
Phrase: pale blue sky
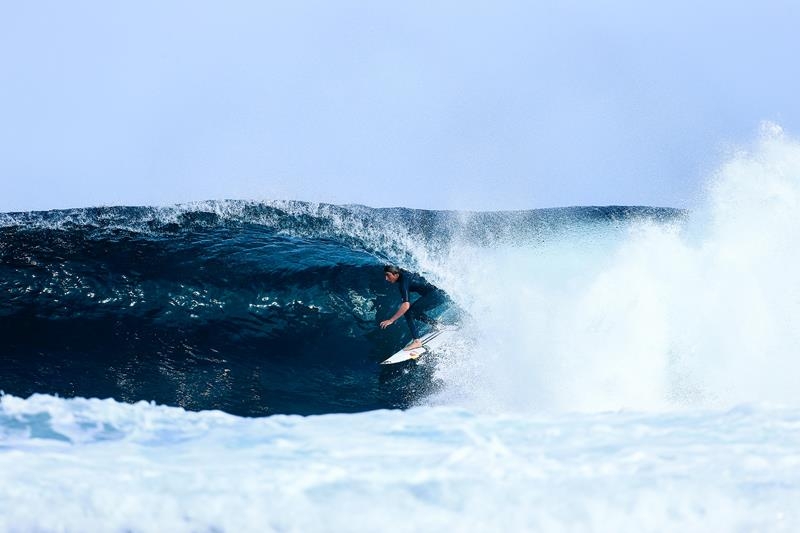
(452,105)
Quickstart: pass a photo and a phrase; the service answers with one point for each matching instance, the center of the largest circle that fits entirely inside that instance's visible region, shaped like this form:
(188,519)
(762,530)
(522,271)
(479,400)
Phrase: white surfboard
(430,342)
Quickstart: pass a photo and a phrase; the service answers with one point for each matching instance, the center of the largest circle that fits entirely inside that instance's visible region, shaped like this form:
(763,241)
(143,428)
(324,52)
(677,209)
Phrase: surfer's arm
(400,312)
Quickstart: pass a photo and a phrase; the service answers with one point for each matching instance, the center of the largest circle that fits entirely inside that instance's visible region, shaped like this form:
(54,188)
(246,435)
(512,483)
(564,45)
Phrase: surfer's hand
(386,323)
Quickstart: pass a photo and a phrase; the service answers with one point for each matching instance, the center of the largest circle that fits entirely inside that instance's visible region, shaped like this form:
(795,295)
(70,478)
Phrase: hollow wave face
(252,309)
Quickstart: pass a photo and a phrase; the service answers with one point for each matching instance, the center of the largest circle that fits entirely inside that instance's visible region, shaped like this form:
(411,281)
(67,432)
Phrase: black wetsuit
(430,297)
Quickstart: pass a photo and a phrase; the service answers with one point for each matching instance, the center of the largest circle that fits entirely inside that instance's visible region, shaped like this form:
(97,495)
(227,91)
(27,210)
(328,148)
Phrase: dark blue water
(250,308)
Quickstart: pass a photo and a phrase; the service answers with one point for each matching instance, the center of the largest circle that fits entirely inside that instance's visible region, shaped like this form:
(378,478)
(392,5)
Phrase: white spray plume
(701,312)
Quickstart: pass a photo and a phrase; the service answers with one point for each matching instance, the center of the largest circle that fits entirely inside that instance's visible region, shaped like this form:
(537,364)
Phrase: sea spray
(698,310)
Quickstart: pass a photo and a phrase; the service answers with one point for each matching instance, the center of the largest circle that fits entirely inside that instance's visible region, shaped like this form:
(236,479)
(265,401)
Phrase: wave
(253,308)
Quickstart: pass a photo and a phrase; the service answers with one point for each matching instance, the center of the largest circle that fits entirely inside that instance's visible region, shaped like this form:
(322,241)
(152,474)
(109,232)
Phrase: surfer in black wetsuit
(430,297)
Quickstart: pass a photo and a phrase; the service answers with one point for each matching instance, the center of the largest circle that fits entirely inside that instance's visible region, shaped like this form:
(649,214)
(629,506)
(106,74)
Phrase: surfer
(430,297)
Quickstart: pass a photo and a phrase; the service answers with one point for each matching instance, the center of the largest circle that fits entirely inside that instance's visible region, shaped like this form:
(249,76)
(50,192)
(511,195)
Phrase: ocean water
(215,366)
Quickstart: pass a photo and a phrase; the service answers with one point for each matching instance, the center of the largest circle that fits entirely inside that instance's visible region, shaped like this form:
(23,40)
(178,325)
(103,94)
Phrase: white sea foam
(90,465)
(702,312)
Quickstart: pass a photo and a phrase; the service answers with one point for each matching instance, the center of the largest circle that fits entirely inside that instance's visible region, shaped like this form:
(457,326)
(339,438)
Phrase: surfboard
(430,342)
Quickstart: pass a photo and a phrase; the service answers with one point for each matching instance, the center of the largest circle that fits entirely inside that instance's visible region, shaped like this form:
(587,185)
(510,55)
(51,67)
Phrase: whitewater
(621,369)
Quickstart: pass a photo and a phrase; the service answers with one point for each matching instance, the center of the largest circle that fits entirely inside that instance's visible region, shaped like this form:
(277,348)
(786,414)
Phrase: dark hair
(391,268)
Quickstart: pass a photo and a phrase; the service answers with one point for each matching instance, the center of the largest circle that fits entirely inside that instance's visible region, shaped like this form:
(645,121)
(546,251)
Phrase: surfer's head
(391,273)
